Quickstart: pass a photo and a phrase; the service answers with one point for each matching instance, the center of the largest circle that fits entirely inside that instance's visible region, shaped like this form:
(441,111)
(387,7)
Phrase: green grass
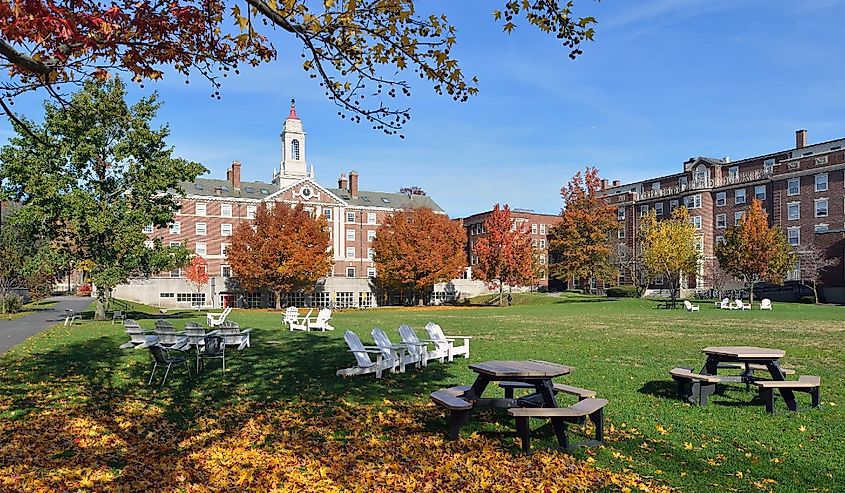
(29,309)
(621,348)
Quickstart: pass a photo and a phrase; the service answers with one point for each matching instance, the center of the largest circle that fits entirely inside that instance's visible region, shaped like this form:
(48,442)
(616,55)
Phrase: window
(721,221)
(175,228)
(700,175)
(693,201)
(682,182)
(643,210)
(175,243)
(721,198)
(294,149)
(350,272)
(733,172)
(542,260)
(371,218)
(371,252)
(739,196)
(224,249)
(176,273)
(821,207)
(195,299)
(371,235)
(149,244)
(148,228)
(793,186)
(200,209)
(371,272)
(620,234)
(350,235)
(793,211)
(655,185)
(534,229)
(658,208)
(696,221)
(199,228)
(201,249)
(768,166)
(738,216)
(698,243)
(793,235)
(250,212)
(167,295)
(542,243)
(327,213)
(620,214)
(820,228)
(226,210)
(821,182)
(225,230)
(350,252)
(760,192)
(225,271)
(542,229)
(658,279)
(720,240)
(350,217)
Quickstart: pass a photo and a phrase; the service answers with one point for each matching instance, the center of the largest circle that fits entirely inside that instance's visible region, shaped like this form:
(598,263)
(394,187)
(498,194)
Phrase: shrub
(622,292)
(84,290)
(11,303)
(808,300)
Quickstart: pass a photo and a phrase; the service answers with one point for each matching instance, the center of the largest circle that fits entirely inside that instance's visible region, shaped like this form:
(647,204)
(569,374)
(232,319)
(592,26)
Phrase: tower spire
(293,109)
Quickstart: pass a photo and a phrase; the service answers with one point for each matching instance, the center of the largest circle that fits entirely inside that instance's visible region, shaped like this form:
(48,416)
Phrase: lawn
(76,413)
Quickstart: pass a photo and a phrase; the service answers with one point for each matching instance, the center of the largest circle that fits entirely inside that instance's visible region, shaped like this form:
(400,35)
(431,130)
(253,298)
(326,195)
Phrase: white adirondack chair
(412,341)
(322,321)
(296,323)
(742,306)
(407,356)
(690,307)
(217,319)
(137,335)
(364,362)
(766,304)
(444,343)
(726,304)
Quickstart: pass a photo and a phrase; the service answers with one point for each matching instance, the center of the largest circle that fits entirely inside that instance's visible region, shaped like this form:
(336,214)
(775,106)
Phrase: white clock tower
(293,166)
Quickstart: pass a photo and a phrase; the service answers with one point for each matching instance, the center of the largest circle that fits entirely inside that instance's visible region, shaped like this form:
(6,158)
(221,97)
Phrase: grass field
(85,406)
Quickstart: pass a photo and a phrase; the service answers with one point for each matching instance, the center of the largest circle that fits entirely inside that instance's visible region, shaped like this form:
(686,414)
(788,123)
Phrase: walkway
(13,332)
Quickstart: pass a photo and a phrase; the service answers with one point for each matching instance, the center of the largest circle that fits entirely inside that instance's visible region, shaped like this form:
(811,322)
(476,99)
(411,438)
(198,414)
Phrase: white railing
(705,183)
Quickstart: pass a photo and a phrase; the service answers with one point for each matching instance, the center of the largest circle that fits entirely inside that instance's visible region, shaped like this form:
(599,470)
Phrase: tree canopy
(358,50)
(283,249)
(414,249)
(753,251)
(505,255)
(669,247)
(93,176)
(580,244)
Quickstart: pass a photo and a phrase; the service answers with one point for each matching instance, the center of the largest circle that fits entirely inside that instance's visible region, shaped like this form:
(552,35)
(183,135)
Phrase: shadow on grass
(568,301)
(665,389)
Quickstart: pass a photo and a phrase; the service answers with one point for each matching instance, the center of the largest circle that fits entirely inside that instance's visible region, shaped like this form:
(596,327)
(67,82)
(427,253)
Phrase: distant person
(510,299)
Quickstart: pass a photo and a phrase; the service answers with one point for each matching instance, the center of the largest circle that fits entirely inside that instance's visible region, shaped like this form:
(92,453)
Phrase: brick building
(802,189)
(538,225)
(213,208)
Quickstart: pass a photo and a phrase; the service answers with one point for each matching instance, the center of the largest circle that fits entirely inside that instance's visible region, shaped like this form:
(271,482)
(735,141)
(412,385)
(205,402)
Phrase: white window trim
(790,204)
(223,232)
(223,210)
(788,194)
(204,248)
(724,218)
(816,207)
(204,229)
(796,229)
(744,196)
(826,182)
(724,198)
(350,235)
(204,209)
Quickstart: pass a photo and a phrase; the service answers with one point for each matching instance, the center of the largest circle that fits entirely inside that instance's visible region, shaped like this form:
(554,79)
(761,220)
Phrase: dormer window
(294,149)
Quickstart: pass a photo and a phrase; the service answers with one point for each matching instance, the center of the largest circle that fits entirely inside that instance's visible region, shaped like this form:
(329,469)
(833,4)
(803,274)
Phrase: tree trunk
(501,294)
(100,310)
(278,299)
(815,293)
(751,294)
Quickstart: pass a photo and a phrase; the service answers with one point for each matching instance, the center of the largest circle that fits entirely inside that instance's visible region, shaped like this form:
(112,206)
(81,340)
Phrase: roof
(256,190)
(385,199)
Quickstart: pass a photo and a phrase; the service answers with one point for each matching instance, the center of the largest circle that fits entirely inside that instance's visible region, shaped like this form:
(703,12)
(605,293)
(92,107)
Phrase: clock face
(306,192)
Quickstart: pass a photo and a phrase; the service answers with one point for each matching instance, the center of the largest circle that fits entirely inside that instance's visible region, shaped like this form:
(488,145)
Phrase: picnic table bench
(558,388)
(576,414)
(805,383)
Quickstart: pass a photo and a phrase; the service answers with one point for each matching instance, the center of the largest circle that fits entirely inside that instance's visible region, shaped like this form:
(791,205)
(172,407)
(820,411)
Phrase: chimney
(800,138)
(726,159)
(616,183)
(353,184)
(604,183)
(341,182)
(234,176)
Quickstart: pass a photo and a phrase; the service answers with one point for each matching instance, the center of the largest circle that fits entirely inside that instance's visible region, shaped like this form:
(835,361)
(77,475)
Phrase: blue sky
(665,80)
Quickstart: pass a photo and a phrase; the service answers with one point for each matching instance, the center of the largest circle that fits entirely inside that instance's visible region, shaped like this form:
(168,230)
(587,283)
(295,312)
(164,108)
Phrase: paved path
(13,332)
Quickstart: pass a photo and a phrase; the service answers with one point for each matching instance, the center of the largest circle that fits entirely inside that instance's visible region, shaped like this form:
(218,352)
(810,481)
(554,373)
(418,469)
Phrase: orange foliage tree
(284,249)
(505,255)
(196,273)
(417,248)
(580,243)
(755,252)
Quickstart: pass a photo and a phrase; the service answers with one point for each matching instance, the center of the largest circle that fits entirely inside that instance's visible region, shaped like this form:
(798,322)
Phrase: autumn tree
(505,254)
(630,262)
(93,175)
(812,263)
(412,191)
(196,273)
(358,51)
(669,247)
(715,275)
(417,248)
(754,252)
(580,243)
(283,249)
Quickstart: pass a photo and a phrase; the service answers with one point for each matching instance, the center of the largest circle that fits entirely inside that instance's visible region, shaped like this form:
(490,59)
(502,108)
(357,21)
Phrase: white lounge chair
(293,320)
(413,342)
(742,306)
(322,322)
(364,362)
(137,335)
(217,319)
(403,354)
(444,343)
(690,307)
(766,304)
(233,335)
(725,304)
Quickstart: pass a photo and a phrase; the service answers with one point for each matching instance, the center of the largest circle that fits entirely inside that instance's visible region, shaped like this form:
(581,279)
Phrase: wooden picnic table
(534,372)
(747,355)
